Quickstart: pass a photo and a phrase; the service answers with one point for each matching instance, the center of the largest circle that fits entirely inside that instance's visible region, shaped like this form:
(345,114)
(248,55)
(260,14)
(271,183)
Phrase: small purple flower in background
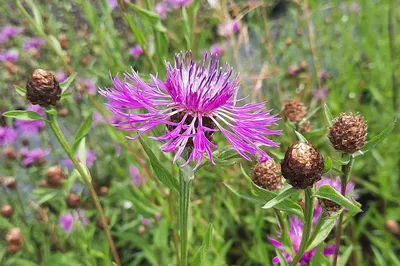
(89,86)
(335,183)
(7,136)
(146,222)
(90,158)
(33,44)
(69,219)
(179,3)
(321,93)
(136,51)
(30,128)
(9,55)
(114,3)
(8,31)
(97,119)
(216,49)
(295,234)
(228,28)
(35,156)
(196,100)
(157,216)
(161,9)
(355,7)
(136,179)
(61,76)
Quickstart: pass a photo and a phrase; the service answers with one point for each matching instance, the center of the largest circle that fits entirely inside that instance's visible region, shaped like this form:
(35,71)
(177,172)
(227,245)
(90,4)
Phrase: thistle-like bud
(99,224)
(55,176)
(7,211)
(13,248)
(393,227)
(9,153)
(348,133)
(73,201)
(329,205)
(303,165)
(268,175)
(103,191)
(306,127)
(10,182)
(14,237)
(294,110)
(43,88)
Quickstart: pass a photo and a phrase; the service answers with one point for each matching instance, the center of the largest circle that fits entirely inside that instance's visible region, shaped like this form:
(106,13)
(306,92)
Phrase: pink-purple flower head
(33,44)
(35,156)
(8,31)
(9,55)
(7,136)
(136,51)
(335,183)
(195,101)
(76,218)
(179,3)
(295,234)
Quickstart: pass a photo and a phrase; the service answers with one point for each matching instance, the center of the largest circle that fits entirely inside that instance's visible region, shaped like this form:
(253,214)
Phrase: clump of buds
(43,88)
(10,183)
(329,205)
(73,201)
(55,176)
(7,211)
(9,153)
(14,240)
(294,110)
(303,165)
(268,175)
(99,224)
(348,133)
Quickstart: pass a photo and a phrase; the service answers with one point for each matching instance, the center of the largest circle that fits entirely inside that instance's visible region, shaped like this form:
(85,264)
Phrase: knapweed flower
(76,218)
(228,28)
(216,49)
(61,76)
(161,9)
(90,158)
(195,101)
(135,51)
(30,128)
(321,94)
(295,234)
(7,136)
(136,179)
(8,31)
(33,44)
(35,156)
(179,3)
(9,55)
(88,86)
(114,3)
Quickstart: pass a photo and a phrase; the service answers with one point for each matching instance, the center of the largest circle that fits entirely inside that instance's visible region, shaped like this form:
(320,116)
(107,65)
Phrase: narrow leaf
(250,198)
(20,91)
(82,132)
(327,164)
(280,197)
(329,193)
(201,256)
(345,256)
(24,115)
(300,137)
(65,84)
(328,115)
(376,140)
(323,230)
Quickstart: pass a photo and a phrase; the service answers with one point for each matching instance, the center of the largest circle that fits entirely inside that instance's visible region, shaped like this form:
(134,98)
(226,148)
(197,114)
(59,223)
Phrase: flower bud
(294,110)
(10,182)
(55,176)
(348,133)
(7,211)
(303,165)
(99,224)
(13,248)
(43,88)
(306,127)
(103,191)
(267,175)
(393,227)
(9,153)
(73,201)
(14,237)
(329,205)
(63,40)
(141,229)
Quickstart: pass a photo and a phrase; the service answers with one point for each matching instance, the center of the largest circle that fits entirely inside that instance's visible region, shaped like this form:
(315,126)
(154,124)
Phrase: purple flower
(135,176)
(179,3)
(228,28)
(336,184)
(8,31)
(89,86)
(9,55)
(7,136)
(112,3)
(321,93)
(196,100)
(146,222)
(33,44)
(30,128)
(90,158)
(295,234)
(216,49)
(35,156)
(136,50)
(76,217)
(161,9)
(61,76)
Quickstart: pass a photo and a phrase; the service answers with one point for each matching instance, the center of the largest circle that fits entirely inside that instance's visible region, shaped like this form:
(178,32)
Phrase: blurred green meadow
(340,53)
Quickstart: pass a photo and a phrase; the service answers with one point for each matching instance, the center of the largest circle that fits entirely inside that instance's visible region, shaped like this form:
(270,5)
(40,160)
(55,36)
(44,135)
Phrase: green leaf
(65,95)
(65,84)
(20,91)
(51,110)
(345,256)
(82,151)
(300,137)
(327,164)
(329,193)
(323,231)
(328,115)
(284,194)
(161,172)
(24,115)
(250,198)
(82,132)
(201,256)
(376,140)
(319,259)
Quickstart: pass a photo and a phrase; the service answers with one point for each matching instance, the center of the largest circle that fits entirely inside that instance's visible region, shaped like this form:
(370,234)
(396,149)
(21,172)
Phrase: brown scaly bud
(13,248)
(348,133)
(303,165)
(14,237)
(55,176)
(25,142)
(10,182)
(9,153)
(306,127)
(7,211)
(43,183)
(393,227)
(103,191)
(43,88)
(268,175)
(294,110)
(99,224)
(329,205)
(73,201)
(141,229)
(63,40)
(86,60)
(288,41)
(63,112)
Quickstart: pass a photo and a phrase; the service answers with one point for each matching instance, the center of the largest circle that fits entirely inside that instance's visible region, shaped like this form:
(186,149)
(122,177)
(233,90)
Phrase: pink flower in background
(9,55)
(321,93)
(61,76)
(355,7)
(135,176)
(136,50)
(161,9)
(8,31)
(76,218)
(179,3)
(90,158)
(114,3)
(33,44)
(89,86)
(216,49)
(335,183)
(7,136)
(35,156)
(295,234)
(30,128)
(228,28)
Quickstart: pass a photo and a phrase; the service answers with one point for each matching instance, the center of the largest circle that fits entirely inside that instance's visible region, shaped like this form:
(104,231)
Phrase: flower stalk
(53,123)
(184,198)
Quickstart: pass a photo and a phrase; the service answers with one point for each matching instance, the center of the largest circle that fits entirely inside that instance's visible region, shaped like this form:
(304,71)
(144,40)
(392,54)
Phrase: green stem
(22,206)
(317,227)
(86,177)
(184,197)
(346,169)
(308,217)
